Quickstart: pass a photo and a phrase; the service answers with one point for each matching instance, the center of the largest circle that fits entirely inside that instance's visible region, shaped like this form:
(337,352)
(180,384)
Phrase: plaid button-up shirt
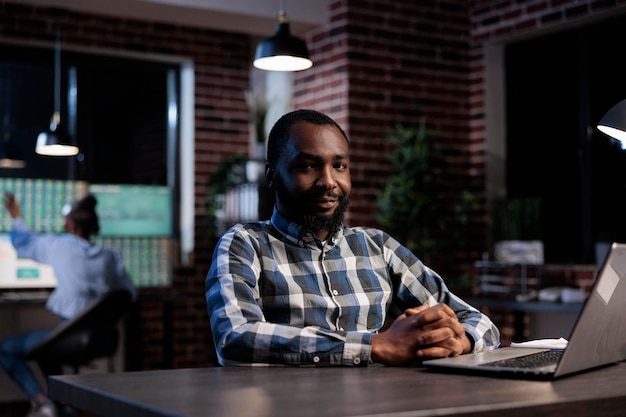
(276,295)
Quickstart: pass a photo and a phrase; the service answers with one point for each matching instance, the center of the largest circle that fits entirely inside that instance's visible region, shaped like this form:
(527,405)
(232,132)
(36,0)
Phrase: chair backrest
(89,335)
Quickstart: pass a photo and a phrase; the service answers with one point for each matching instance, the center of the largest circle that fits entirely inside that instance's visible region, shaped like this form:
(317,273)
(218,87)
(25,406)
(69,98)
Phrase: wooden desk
(304,392)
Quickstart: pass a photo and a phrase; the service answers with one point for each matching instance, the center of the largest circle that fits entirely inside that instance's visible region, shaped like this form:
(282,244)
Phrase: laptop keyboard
(534,360)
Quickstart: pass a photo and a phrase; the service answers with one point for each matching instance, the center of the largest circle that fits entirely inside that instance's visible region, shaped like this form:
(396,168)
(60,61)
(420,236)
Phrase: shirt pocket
(372,292)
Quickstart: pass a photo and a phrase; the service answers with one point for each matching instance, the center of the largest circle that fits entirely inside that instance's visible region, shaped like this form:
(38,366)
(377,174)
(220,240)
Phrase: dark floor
(21,408)
(14,409)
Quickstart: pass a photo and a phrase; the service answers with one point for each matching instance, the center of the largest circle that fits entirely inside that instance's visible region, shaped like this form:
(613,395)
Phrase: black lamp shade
(613,123)
(10,156)
(282,52)
(55,142)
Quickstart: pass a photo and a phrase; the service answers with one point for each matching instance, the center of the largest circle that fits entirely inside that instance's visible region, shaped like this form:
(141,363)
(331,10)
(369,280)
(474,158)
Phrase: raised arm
(11,205)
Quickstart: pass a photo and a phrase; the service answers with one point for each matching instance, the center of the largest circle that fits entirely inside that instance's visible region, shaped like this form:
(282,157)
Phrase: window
(125,120)
(120,121)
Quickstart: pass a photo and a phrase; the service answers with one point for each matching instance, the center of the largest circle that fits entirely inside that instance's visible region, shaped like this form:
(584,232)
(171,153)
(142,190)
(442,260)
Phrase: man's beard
(315,223)
(331,223)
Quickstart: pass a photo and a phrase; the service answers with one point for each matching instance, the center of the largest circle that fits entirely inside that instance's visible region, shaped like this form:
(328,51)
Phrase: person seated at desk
(303,289)
(84,271)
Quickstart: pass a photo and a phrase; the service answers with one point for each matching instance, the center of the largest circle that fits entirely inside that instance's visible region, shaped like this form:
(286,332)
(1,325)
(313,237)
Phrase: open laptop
(598,337)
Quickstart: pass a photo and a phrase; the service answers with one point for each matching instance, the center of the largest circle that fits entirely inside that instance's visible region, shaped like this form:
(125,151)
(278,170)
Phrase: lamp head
(282,51)
(10,155)
(55,141)
(11,163)
(613,123)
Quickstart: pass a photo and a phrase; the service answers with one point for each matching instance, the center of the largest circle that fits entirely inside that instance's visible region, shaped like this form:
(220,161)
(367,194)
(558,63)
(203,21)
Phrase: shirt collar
(296,233)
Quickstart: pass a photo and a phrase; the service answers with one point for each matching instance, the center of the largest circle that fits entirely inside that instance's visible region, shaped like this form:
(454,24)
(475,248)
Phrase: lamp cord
(282,13)
(57,73)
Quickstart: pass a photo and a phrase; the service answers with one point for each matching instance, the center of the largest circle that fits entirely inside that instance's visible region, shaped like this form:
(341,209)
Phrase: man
(303,289)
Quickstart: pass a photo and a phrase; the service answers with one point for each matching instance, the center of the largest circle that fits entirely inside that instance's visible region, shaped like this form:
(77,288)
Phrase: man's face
(312,178)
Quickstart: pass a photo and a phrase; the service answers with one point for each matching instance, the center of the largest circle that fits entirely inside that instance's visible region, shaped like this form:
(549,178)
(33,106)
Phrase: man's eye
(306,166)
(341,167)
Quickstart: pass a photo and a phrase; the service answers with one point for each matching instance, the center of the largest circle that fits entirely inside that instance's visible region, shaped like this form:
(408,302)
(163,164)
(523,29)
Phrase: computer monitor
(22,273)
(128,210)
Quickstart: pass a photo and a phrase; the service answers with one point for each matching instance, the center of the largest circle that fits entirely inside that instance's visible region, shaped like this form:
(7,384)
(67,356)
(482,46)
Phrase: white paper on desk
(559,343)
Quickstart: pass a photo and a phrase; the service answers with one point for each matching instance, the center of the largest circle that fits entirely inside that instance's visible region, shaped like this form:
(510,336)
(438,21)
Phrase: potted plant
(257,108)
(411,206)
(517,230)
(229,172)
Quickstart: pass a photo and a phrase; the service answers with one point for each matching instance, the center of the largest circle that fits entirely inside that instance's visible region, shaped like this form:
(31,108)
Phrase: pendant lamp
(613,123)
(9,155)
(55,141)
(282,52)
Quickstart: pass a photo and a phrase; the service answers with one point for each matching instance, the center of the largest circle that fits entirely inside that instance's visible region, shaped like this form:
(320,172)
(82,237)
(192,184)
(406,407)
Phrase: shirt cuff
(357,349)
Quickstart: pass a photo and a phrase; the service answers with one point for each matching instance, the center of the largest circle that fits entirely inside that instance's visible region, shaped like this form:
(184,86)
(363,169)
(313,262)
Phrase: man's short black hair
(279,135)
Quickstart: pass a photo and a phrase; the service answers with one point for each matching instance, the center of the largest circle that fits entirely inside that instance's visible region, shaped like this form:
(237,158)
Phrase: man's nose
(326,179)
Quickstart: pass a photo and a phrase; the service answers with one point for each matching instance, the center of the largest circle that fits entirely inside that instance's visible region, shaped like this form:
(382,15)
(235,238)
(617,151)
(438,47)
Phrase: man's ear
(270,175)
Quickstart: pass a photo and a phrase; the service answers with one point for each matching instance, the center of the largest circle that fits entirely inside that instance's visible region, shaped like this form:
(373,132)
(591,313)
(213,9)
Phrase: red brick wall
(380,63)
(383,62)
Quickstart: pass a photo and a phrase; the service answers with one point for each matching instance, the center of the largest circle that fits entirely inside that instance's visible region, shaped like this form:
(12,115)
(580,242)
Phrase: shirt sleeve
(243,336)
(416,284)
(28,244)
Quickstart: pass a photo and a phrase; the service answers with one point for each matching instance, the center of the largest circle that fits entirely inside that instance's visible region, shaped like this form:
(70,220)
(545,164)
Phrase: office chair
(91,334)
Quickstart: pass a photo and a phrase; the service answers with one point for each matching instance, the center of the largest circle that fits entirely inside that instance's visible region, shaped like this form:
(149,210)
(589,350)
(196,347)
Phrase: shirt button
(316,359)
(356,360)
(335,292)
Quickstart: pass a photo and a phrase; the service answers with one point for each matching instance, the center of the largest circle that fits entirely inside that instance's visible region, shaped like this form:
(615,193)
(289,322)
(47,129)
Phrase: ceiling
(254,17)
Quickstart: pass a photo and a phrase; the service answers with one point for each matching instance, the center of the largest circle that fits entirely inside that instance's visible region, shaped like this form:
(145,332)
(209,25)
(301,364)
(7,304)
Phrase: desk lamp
(613,123)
